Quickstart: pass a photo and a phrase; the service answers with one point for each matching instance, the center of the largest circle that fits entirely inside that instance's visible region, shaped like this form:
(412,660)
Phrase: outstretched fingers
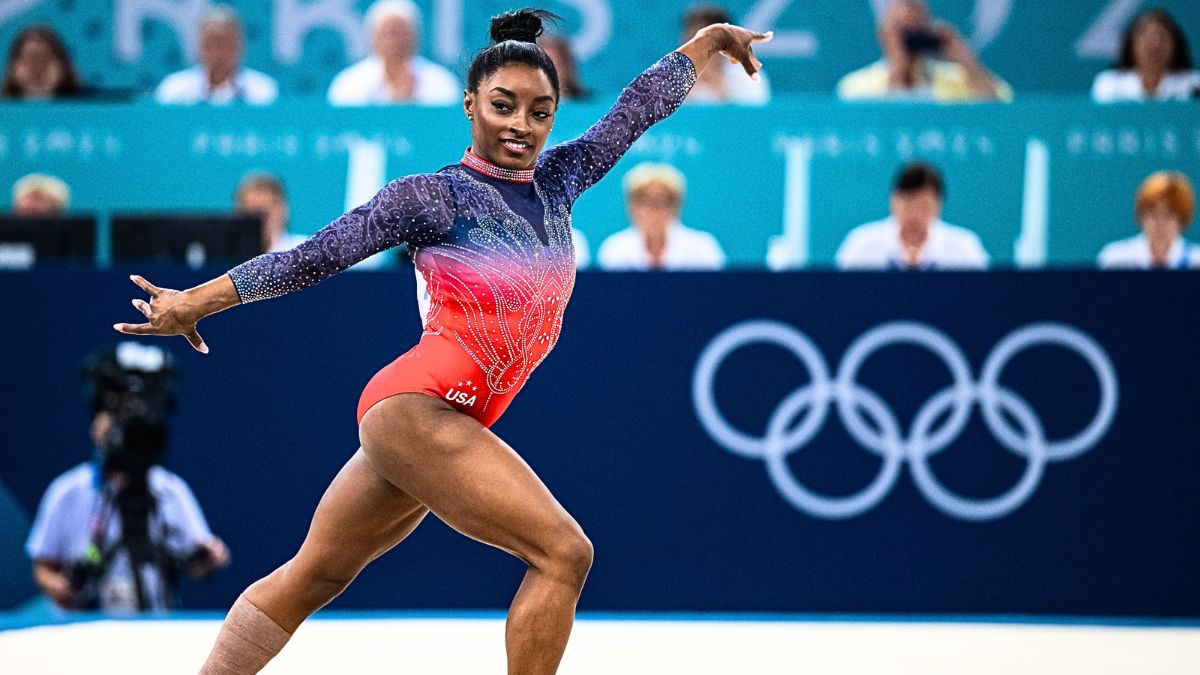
(193,337)
(162,316)
(135,328)
(743,52)
(196,341)
(145,285)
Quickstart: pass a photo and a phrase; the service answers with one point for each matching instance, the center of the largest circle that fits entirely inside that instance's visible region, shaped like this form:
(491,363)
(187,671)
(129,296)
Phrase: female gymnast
(492,237)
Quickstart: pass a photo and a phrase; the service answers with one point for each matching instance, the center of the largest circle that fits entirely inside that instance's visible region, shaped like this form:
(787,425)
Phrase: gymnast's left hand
(169,312)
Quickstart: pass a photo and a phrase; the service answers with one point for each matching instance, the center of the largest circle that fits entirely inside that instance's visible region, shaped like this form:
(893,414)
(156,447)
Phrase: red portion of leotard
(438,367)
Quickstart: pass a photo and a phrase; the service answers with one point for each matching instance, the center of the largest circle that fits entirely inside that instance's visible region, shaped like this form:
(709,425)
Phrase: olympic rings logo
(801,414)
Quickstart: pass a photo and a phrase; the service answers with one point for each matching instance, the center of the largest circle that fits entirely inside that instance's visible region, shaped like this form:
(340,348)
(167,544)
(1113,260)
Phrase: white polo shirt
(876,246)
(363,84)
(190,87)
(687,249)
(76,506)
(1115,86)
(1134,254)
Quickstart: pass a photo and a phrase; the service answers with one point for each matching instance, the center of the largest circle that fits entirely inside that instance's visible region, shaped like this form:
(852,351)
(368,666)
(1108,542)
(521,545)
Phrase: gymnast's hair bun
(523,25)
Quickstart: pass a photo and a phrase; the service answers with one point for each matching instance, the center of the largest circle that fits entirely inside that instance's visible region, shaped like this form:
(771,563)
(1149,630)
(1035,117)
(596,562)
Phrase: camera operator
(116,532)
(923,59)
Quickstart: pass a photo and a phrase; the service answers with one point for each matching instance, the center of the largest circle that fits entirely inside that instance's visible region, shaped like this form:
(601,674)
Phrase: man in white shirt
(219,78)
(114,533)
(913,237)
(61,539)
(394,72)
(658,240)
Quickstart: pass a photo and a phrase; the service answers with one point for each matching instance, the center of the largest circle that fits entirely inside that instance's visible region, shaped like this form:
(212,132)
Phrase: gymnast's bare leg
(419,454)
(478,485)
(359,518)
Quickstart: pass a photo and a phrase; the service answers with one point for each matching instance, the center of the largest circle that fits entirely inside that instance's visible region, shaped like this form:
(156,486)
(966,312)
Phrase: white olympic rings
(873,424)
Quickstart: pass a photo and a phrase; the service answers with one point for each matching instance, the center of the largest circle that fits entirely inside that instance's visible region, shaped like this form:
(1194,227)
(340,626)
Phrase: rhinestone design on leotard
(496,288)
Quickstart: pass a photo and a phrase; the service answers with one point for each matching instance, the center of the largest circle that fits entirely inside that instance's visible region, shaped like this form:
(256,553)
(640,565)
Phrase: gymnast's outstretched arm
(649,99)
(414,210)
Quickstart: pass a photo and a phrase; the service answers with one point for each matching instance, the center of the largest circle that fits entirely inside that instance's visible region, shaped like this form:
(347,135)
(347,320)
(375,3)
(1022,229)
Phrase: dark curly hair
(70,81)
(514,40)
(1181,58)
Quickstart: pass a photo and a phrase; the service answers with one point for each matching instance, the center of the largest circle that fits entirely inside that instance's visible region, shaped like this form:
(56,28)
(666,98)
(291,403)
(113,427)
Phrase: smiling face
(512,112)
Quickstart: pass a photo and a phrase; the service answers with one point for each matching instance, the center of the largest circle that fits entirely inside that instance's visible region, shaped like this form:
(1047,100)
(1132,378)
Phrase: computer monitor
(26,241)
(193,239)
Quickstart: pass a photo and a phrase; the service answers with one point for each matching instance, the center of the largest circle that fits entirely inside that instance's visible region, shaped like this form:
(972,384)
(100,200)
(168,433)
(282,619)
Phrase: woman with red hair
(1163,208)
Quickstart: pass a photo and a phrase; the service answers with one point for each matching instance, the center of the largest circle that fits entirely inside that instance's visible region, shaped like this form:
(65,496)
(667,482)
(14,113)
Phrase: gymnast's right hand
(169,312)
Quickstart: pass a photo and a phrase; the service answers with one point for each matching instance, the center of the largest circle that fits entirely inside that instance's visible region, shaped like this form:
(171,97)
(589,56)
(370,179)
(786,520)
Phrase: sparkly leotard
(495,251)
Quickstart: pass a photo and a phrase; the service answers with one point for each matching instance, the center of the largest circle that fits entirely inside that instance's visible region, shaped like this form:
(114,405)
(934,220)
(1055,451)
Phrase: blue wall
(680,522)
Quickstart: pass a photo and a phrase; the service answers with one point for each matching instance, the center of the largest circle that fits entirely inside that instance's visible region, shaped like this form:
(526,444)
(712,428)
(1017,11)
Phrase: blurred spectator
(559,51)
(394,72)
(658,240)
(40,195)
(262,194)
(722,81)
(1164,207)
(39,66)
(1154,64)
(913,237)
(922,59)
(114,533)
(219,78)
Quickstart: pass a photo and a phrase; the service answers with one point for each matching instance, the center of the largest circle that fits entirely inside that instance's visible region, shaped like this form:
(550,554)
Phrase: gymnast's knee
(318,584)
(570,558)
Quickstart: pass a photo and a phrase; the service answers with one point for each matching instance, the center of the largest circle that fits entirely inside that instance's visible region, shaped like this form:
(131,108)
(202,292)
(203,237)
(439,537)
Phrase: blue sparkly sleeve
(411,210)
(650,98)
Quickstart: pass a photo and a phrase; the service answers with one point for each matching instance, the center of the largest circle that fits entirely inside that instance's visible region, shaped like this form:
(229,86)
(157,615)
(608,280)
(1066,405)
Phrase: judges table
(1041,181)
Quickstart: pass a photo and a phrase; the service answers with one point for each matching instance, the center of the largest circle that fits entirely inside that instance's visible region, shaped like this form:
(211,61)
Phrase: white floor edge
(452,646)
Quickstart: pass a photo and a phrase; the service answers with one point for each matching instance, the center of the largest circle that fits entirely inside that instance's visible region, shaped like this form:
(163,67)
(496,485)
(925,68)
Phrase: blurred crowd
(921,57)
